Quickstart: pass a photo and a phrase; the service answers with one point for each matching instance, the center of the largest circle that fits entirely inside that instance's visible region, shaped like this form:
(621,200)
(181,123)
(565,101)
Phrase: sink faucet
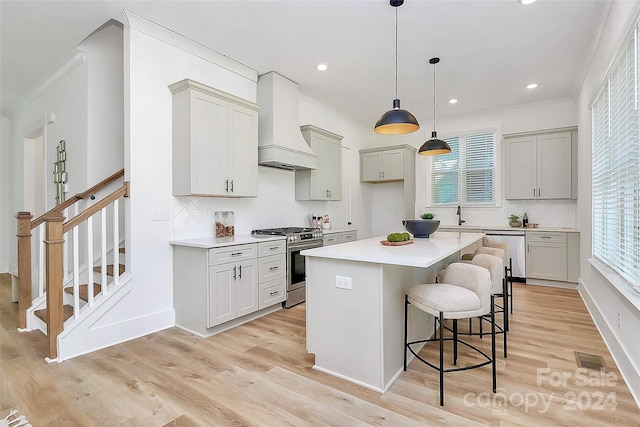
(460,220)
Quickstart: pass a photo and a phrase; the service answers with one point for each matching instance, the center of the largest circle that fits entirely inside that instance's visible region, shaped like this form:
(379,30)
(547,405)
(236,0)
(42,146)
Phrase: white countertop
(420,253)
(506,228)
(212,242)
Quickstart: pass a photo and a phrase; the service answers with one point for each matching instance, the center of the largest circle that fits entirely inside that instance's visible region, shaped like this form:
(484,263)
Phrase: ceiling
(489,49)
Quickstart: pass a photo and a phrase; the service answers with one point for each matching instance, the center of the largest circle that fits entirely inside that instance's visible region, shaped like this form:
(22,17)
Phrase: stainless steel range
(298,239)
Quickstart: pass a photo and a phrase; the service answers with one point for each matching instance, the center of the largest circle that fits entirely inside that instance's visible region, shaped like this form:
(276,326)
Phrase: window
(615,178)
(467,174)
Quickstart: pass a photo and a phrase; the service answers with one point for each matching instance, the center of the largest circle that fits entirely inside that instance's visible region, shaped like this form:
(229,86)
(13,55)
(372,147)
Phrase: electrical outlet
(160,214)
(343,282)
(619,321)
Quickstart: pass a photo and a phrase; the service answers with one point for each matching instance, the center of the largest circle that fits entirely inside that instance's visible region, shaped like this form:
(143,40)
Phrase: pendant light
(434,145)
(396,121)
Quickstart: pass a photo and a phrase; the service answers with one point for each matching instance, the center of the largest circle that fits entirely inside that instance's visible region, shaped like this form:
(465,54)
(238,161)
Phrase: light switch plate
(343,282)
(160,214)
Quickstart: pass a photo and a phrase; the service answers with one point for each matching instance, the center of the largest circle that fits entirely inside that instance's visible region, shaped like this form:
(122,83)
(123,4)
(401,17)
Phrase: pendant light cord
(396,53)
(434,97)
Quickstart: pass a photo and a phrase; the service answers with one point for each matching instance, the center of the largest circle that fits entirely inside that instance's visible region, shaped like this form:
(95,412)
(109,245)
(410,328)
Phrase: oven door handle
(303,247)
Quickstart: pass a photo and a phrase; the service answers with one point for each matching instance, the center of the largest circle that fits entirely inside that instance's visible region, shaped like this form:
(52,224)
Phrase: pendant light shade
(396,121)
(434,145)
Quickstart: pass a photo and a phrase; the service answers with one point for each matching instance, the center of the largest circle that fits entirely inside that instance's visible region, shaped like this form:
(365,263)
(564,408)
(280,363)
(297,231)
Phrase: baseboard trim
(552,283)
(620,356)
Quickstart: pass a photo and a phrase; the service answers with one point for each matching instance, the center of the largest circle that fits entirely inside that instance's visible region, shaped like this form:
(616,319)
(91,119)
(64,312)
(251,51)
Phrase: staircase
(77,243)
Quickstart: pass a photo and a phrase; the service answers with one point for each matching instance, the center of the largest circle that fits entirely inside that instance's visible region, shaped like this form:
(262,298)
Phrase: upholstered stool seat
(456,301)
(464,293)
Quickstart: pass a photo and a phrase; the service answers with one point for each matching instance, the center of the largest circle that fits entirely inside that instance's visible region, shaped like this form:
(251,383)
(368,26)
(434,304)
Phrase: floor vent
(589,361)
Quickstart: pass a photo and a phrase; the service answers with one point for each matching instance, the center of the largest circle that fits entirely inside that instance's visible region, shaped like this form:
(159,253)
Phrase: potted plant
(427,215)
(514,220)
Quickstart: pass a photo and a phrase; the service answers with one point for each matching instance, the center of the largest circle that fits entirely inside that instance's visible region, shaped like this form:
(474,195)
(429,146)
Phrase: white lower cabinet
(233,291)
(217,288)
(233,286)
(548,256)
(272,277)
(334,237)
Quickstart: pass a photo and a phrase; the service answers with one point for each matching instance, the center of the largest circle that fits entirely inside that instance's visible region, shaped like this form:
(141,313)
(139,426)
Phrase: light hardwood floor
(260,374)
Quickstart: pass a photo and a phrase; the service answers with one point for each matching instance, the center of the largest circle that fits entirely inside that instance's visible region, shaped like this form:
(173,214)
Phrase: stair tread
(84,290)
(67,312)
(109,269)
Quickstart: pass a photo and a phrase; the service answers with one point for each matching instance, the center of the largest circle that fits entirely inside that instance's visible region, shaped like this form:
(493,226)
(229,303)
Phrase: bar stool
(508,265)
(464,293)
(500,253)
(493,264)
(487,247)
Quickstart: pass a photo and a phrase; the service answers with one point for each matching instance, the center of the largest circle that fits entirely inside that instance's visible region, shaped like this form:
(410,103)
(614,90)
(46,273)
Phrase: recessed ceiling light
(453,101)
(322,67)
(526,1)
(532,86)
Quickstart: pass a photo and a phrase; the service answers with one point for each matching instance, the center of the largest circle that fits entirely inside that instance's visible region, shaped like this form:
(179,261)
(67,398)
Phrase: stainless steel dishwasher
(516,241)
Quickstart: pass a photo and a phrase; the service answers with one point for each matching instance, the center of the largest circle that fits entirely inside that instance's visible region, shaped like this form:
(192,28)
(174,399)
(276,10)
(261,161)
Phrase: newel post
(24,266)
(53,244)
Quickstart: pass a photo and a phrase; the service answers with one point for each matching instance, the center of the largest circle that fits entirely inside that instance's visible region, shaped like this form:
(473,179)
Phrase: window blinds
(616,168)
(467,174)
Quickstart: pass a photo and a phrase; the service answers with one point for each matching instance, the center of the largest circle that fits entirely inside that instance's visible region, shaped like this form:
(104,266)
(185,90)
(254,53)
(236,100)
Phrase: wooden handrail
(78,219)
(80,196)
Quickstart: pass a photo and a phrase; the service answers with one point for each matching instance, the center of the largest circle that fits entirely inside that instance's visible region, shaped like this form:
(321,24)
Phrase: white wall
(105,92)
(605,302)
(5,197)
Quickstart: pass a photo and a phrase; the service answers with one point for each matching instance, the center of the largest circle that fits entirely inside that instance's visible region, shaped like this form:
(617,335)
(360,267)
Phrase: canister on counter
(221,230)
(229,223)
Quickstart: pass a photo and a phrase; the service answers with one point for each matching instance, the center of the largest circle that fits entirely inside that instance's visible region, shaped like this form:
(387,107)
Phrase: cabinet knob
(232,186)
(240,272)
(274,293)
(226,185)
(234,273)
(273,268)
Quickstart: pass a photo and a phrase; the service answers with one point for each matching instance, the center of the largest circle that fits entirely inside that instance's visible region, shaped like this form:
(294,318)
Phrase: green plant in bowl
(427,215)
(514,220)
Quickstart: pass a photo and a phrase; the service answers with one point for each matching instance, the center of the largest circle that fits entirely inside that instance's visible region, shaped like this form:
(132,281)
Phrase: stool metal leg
(493,343)
(406,340)
(511,282)
(505,314)
(455,341)
(441,361)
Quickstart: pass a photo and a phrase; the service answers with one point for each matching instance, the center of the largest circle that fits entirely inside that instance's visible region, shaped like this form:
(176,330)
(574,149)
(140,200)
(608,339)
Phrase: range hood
(280,141)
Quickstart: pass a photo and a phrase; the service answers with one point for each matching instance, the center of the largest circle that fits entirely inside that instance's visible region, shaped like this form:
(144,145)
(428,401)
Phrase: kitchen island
(355,302)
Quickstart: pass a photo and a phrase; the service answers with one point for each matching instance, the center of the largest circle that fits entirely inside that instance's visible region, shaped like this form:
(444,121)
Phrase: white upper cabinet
(541,165)
(384,165)
(324,183)
(215,142)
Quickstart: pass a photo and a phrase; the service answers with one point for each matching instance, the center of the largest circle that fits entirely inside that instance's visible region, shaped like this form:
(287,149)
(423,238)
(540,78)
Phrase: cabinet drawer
(272,247)
(271,267)
(546,236)
(347,236)
(232,253)
(330,239)
(272,292)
